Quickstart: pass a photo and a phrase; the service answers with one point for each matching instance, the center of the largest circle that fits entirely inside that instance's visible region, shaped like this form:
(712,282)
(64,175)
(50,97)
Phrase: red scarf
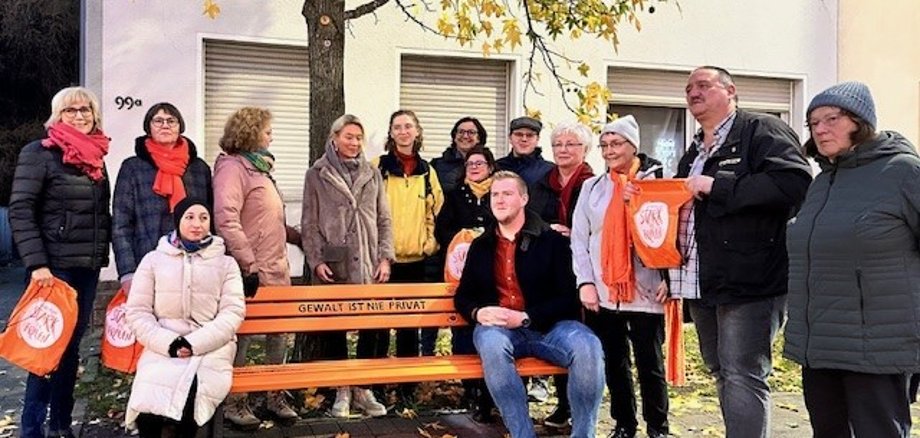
(408,162)
(582,173)
(616,243)
(171,164)
(85,151)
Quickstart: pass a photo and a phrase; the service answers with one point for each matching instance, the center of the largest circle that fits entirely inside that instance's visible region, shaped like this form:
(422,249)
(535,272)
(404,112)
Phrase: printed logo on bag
(457,259)
(116,328)
(651,221)
(42,324)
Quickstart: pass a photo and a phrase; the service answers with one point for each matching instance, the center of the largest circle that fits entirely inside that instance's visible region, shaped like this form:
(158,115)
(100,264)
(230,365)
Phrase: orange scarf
(171,164)
(85,151)
(616,243)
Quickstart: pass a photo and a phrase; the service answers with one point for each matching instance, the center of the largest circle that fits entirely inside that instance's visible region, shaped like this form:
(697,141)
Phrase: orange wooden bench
(292,309)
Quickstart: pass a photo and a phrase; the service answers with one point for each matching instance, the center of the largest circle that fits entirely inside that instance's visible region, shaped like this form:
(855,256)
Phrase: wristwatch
(526,321)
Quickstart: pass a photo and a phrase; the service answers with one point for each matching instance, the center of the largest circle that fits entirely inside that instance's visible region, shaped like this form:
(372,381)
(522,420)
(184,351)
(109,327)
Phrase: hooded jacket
(140,216)
(198,296)
(353,217)
(587,229)
(854,263)
(415,201)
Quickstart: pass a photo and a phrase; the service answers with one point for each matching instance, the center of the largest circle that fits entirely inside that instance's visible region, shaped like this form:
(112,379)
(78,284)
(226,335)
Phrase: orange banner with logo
(654,215)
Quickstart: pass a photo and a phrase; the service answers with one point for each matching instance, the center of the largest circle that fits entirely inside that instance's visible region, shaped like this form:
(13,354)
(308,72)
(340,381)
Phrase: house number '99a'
(127,102)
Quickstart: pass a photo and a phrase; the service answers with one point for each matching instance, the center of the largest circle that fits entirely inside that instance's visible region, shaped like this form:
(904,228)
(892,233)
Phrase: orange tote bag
(40,327)
(120,350)
(654,213)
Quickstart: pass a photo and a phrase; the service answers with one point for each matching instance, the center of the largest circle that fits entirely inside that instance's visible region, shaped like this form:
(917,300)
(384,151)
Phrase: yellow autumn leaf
(486,27)
(211,9)
(512,32)
(486,49)
(445,27)
(583,69)
(408,413)
(534,113)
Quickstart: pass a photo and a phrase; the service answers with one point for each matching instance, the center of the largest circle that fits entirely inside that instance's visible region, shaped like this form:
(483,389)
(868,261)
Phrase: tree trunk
(326,56)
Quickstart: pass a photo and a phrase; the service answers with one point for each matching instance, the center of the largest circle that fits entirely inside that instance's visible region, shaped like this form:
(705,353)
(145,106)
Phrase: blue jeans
(57,388)
(735,341)
(569,344)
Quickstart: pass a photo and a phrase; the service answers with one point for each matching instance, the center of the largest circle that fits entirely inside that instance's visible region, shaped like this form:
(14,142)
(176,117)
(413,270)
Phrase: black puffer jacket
(60,217)
(854,263)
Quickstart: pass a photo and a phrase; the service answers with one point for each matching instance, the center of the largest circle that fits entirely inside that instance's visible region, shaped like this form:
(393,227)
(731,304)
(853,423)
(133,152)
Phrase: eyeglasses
(71,112)
(161,122)
(567,145)
(612,144)
(467,132)
(829,120)
(520,134)
(476,163)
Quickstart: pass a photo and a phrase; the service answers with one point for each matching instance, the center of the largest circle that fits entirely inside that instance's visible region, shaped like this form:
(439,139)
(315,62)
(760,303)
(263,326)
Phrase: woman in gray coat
(348,238)
(854,271)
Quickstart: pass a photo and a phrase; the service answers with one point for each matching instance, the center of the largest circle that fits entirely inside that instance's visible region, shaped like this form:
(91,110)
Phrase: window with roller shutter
(238,74)
(441,90)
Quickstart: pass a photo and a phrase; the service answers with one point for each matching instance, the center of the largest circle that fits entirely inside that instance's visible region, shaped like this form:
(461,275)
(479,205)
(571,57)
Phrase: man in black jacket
(519,290)
(748,177)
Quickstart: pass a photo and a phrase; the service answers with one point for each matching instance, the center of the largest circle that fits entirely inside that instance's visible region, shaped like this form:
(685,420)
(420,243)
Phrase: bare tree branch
(538,44)
(411,17)
(364,9)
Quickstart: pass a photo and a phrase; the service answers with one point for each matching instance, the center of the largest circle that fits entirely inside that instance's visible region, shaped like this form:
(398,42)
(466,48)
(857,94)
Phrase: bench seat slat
(355,322)
(351,292)
(372,371)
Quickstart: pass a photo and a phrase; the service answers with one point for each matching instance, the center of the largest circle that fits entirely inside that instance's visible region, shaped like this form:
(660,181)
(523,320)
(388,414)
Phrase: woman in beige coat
(185,306)
(249,214)
(348,238)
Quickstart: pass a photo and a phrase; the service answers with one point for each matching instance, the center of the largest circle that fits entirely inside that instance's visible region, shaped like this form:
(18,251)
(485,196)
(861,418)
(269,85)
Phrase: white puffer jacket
(199,296)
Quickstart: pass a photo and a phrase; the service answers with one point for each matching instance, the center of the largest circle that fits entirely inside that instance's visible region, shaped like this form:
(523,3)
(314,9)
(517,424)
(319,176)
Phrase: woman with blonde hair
(348,238)
(59,215)
(249,215)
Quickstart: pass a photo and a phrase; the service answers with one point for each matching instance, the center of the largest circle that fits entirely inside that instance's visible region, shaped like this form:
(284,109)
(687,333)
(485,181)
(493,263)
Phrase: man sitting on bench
(519,290)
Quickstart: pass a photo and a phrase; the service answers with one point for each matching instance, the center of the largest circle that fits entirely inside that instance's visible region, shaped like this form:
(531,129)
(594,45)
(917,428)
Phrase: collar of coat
(536,155)
(328,173)
(215,249)
(390,165)
(533,227)
(141,150)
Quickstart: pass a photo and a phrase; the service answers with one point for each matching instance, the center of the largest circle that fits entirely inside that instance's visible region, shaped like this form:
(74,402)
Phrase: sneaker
(622,432)
(561,417)
(341,407)
(279,406)
(538,391)
(238,412)
(364,400)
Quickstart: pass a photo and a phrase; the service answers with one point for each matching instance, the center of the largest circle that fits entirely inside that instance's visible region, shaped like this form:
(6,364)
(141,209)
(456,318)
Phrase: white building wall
(152,50)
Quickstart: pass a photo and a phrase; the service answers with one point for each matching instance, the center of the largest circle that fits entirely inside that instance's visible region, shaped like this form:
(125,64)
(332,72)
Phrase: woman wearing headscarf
(165,169)
(59,215)
(854,271)
(624,299)
(185,308)
(348,238)
(249,215)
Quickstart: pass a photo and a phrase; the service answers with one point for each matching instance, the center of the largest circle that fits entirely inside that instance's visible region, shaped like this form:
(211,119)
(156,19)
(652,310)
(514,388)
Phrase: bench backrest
(285,309)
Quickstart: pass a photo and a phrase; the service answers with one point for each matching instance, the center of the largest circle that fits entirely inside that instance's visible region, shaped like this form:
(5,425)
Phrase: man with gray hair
(748,178)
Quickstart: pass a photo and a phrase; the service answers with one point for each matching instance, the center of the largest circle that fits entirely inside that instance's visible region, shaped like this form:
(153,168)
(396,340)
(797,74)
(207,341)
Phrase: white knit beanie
(626,126)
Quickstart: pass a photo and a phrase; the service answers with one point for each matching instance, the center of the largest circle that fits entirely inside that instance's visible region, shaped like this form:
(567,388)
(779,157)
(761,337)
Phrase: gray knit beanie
(851,96)
(626,126)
